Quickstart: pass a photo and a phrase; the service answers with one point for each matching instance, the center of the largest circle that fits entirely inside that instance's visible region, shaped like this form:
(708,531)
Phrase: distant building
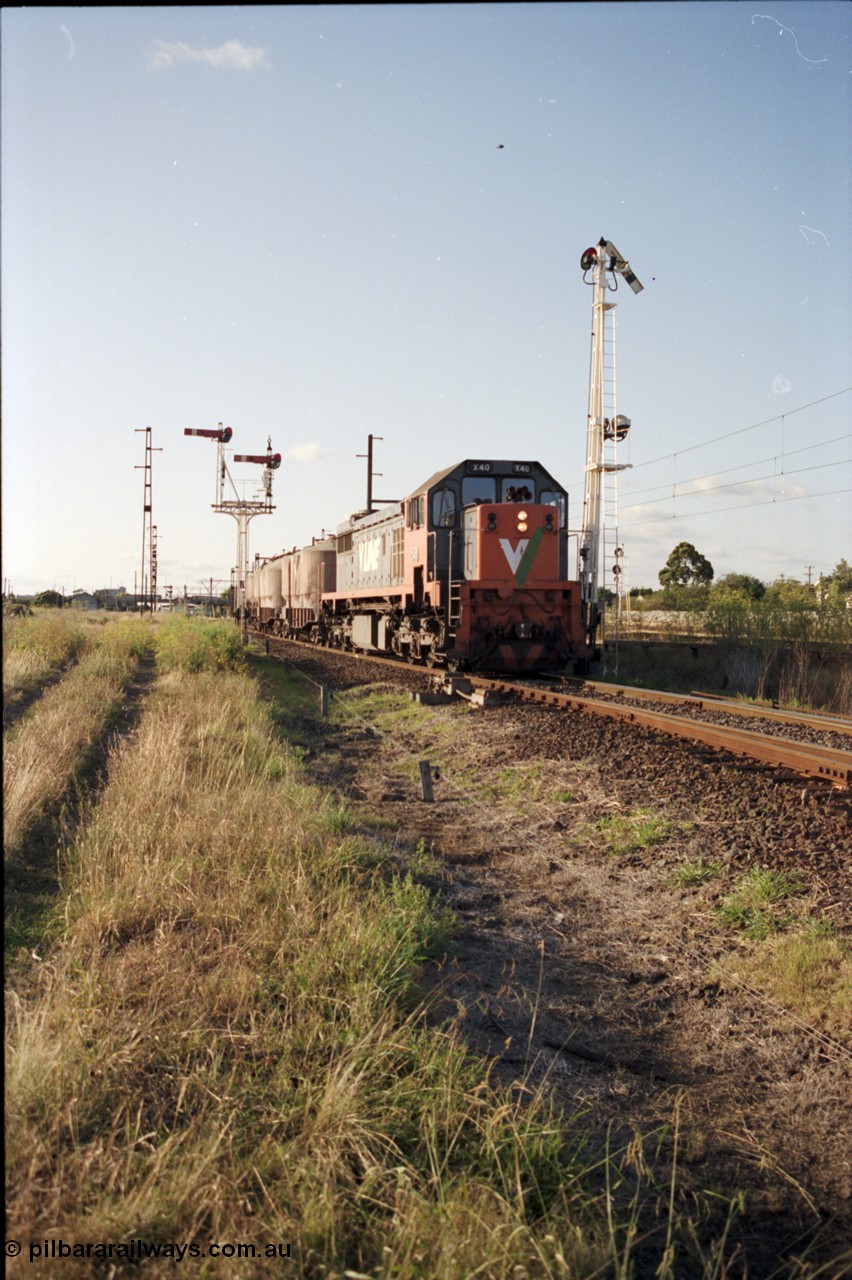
(83,600)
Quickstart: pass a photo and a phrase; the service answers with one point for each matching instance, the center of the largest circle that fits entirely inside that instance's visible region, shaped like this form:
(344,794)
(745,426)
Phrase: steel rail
(827,763)
(822,721)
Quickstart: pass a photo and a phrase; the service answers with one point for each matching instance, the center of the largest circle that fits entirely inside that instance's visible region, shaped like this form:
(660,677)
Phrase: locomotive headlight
(522,522)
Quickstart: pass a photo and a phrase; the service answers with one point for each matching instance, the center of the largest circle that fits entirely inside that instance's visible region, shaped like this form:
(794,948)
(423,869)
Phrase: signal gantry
(241,508)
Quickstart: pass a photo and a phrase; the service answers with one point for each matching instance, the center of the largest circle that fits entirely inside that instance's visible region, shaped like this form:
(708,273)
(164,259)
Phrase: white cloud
(231,56)
(306,452)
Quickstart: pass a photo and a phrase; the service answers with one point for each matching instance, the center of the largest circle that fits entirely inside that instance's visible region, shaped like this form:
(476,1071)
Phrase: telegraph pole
(370,474)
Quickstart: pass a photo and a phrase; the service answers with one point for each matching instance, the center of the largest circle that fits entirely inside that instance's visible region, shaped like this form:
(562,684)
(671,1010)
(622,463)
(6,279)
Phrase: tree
(743,583)
(49,599)
(839,583)
(686,567)
(790,593)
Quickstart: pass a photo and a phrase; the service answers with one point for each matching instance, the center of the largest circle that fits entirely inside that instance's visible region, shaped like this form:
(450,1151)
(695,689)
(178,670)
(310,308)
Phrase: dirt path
(594,973)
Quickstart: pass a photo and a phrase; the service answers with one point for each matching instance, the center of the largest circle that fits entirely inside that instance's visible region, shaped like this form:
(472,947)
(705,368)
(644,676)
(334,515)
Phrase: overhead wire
(756,462)
(733,484)
(740,506)
(728,435)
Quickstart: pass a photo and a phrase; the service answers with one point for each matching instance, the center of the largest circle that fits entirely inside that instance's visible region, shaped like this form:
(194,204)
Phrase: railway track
(817,751)
(828,763)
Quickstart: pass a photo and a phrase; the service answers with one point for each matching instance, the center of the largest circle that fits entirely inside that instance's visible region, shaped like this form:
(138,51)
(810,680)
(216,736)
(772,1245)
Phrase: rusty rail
(820,720)
(828,763)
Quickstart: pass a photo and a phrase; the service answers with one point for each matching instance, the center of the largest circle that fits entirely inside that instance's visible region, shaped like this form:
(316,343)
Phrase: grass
(226,1043)
(37,646)
(51,745)
(755,904)
(694,871)
(808,971)
(628,832)
(198,644)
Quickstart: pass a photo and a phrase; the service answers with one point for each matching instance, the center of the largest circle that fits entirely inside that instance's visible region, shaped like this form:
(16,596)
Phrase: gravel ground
(595,973)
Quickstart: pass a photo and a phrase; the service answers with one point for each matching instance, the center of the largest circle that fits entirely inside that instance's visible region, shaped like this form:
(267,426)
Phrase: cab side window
(443,508)
(416,509)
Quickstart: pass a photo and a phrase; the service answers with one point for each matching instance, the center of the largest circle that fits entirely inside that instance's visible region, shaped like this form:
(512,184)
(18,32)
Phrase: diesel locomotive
(469,571)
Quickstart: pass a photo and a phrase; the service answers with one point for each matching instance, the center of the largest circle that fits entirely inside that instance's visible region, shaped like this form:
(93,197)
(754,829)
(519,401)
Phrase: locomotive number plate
(522,468)
(480,468)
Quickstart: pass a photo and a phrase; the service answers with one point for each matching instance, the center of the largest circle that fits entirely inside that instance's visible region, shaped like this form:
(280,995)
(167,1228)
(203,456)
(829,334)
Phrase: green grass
(808,970)
(198,644)
(693,872)
(626,833)
(755,904)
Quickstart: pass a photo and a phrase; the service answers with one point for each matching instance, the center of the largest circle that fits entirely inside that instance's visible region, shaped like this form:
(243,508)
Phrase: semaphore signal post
(602,265)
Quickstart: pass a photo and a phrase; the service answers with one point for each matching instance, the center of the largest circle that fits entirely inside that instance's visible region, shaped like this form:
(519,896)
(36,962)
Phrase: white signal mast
(606,430)
(242,509)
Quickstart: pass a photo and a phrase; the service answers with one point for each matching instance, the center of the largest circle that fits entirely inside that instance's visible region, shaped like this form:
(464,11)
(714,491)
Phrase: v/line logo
(514,555)
(520,558)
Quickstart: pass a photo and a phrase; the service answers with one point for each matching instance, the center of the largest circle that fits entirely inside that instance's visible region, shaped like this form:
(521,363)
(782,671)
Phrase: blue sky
(312,223)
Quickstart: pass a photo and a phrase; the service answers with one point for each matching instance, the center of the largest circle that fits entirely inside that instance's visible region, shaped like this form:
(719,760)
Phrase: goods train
(470,571)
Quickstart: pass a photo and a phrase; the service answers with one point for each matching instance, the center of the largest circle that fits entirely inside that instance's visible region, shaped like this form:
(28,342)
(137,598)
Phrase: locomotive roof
(503,467)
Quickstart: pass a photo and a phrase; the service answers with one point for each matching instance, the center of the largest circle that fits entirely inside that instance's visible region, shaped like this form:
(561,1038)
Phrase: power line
(779,417)
(772,475)
(743,506)
(756,462)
